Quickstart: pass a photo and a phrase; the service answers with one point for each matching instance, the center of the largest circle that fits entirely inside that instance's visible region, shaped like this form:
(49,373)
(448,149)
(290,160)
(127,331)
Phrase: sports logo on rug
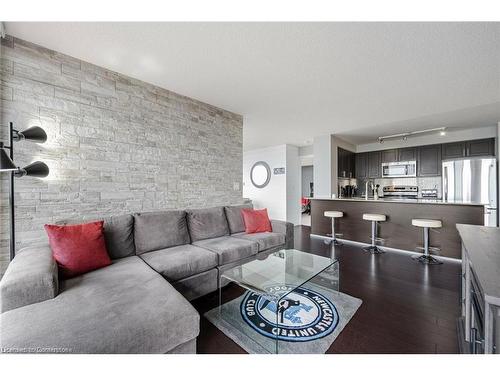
(303,315)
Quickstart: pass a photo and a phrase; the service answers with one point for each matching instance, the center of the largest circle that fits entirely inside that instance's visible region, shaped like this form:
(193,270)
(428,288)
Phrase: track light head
(33,134)
(36,169)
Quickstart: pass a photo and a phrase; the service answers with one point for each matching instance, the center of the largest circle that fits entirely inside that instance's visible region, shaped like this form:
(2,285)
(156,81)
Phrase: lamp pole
(11,195)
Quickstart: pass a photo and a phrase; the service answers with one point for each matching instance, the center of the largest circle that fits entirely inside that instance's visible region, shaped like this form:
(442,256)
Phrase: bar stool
(333,215)
(375,219)
(426,258)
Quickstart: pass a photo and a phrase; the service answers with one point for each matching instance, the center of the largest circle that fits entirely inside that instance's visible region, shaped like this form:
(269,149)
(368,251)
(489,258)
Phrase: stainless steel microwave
(400,169)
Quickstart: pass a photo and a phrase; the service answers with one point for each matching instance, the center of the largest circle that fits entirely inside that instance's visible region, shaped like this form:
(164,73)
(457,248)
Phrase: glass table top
(282,268)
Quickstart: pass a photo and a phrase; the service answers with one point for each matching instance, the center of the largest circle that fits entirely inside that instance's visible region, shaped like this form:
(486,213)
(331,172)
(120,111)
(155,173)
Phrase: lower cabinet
(480,319)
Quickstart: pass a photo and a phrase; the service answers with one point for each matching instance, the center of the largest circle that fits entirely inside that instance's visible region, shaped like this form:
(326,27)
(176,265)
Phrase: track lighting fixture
(404,136)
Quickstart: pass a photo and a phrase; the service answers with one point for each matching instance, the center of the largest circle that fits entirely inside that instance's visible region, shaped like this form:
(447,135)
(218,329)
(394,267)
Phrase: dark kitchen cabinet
(453,150)
(399,154)
(345,163)
(362,165)
(429,161)
(480,147)
(407,154)
(374,165)
(389,156)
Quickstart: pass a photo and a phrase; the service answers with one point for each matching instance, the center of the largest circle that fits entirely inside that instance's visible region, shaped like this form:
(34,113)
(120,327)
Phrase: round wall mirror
(260,174)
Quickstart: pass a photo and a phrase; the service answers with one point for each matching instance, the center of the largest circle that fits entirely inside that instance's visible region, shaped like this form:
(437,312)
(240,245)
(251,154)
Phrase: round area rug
(303,315)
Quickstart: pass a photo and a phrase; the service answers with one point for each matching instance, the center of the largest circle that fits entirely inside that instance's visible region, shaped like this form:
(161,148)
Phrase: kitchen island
(397,230)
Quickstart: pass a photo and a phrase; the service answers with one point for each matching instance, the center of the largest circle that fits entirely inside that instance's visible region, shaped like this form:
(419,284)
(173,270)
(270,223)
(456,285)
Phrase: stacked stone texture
(115,144)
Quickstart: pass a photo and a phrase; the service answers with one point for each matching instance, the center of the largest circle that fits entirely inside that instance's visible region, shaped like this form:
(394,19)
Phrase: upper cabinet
(374,164)
(389,156)
(407,154)
(362,165)
(429,161)
(345,163)
(478,147)
(453,150)
(399,154)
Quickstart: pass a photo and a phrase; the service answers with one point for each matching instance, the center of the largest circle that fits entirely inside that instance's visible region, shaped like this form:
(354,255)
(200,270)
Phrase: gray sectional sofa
(138,304)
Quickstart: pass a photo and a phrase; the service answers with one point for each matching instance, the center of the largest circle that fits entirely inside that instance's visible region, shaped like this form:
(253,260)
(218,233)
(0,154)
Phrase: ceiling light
(442,133)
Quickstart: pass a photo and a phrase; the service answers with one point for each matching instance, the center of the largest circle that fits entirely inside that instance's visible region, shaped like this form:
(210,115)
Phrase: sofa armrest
(31,277)
(286,228)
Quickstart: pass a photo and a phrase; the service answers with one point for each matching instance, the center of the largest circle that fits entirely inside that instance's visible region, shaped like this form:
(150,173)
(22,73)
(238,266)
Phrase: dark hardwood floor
(407,307)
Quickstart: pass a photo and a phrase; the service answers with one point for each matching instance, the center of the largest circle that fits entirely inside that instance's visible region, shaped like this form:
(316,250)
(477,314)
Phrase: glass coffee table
(281,298)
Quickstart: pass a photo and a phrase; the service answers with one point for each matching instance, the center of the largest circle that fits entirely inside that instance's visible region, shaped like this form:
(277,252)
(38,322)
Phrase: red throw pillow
(78,248)
(256,221)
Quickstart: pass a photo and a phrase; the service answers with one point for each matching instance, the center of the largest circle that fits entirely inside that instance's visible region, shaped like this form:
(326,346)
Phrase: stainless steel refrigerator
(472,180)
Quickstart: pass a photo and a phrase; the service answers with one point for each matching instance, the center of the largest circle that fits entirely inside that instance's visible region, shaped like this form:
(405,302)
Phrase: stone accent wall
(115,144)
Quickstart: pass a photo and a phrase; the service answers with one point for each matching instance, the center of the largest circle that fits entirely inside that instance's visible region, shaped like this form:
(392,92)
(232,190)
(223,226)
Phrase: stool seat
(426,223)
(333,213)
(374,217)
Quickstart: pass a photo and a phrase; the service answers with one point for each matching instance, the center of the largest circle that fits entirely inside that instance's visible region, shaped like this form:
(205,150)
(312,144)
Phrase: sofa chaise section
(124,308)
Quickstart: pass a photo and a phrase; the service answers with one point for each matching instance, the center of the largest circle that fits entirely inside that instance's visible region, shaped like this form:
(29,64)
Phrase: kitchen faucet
(368,182)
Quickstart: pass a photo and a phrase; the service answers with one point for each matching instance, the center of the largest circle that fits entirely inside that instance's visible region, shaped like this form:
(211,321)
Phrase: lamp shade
(34,134)
(6,164)
(36,169)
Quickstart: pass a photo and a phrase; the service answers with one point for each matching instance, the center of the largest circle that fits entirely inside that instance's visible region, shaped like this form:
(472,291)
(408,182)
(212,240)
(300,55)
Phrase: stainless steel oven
(400,169)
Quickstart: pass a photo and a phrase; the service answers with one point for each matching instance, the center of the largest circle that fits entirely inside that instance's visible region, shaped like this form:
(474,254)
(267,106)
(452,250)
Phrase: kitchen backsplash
(421,182)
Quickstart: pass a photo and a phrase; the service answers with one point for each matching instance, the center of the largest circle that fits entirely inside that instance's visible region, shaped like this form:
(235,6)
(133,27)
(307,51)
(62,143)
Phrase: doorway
(307,193)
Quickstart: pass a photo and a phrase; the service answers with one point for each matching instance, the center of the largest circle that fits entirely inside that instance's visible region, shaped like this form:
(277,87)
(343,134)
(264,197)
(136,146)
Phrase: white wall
(293,185)
(281,196)
(322,166)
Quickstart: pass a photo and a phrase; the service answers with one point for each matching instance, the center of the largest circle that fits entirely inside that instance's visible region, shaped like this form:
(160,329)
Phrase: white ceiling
(292,81)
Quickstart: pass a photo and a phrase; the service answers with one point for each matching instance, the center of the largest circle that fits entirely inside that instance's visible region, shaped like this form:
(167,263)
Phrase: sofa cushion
(159,230)
(124,308)
(229,249)
(78,248)
(234,219)
(207,223)
(179,262)
(266,240)
(119,236)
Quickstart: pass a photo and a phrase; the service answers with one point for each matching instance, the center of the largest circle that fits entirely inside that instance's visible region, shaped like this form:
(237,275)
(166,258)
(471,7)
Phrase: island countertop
(397,230)
(482,245)
(410,201)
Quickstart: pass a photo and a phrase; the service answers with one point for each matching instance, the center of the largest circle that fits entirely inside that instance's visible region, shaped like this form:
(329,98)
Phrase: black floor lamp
(36,169)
